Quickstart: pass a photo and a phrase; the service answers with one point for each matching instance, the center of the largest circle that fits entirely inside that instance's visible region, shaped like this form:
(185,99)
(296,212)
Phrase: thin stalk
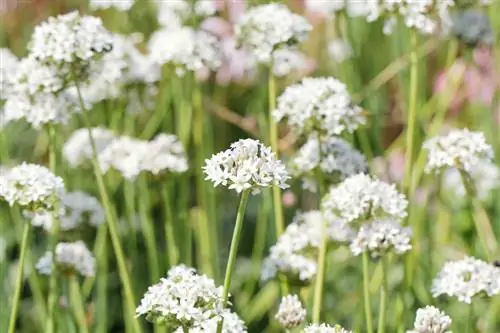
(19,278)
(172,249)
(78,304)
(233,251)
(470,320)
(101,323)
(366,293)
(384,290)
(111,220)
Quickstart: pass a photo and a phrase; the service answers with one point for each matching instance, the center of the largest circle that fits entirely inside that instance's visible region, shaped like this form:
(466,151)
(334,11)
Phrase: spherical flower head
(380,237)
(325,328)
(460,149)
(70,258)
(361,198)
(183,299)
(32,187)
(332,156)
(264,29)
(246,165)
(431,320)
(77,150)
(185,49)
(165,154)
(122,5)
(321,105)
(8,67)
(291,313)
(467,278)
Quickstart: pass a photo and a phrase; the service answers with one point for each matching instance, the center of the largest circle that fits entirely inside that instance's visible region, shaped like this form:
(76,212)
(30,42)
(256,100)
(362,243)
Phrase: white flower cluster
(467,278)
(325,7)
(186,300)
(70,258)
(291,313)
(336,159)
(294,253)
(31,186)
(8,66)
(319,105)
(264,29)
(286,62)
(325,328)
(340,50)
(185,49)
(232,324)
(130,156)
(363,198)
(174,13)
(77,149)
(76,209)
(431,320)
(120,5)
(484,174)
(247,164)
(460,149)
(379,237)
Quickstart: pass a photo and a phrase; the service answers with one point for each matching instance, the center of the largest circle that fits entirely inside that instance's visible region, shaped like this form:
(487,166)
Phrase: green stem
(366,293)
(384,289)
(470,319)
(19,278)
(111,220)
(101,324)
(233,251)
(78,304)
(173,252)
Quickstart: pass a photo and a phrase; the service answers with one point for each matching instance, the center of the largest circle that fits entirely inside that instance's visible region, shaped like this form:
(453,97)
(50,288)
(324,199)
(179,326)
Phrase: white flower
(291,313)
(325,328)
(31,186)
(319,105)
(467,278)
(232,324)
(8,66)
(380,237)
(70,257)
(324,7)
(165,153)
(339,50)
(77,149)
(175,13)
(460,149)
(185,49)
(264,29)
(121,5)
(431,320)
(336,159)
(286,62)
(76,208)
(247,164)
(363,198)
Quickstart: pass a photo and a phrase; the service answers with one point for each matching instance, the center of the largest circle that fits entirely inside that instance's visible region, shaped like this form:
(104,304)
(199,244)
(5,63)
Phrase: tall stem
(173,252)
(19,278)
(78,304)
(366,293)
(233,251)
(383,295)
(111,220)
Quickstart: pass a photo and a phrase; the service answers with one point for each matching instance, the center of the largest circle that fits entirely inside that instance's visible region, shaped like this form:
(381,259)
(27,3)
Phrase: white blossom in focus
(31,186)
(319,105)
(77,149)
(232,324)
(460,149)
(291,313)
(247,164)
(361,198)
(467,278)
(264,29)
(380,237)
(70,257)
(325,328)
(120,5)
(431,320)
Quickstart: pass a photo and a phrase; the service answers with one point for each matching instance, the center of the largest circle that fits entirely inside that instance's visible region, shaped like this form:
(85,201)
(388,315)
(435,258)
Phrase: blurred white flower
(291,313)
(173,14)
(286,62)
(31,186)
(460,149)
(264,29)
(467,278)
(361,198)
(324,7)
(325,328)
(8,66)
(380,237)
(431,320)
(339,50)
(70,258)
(77,149)
(247,164)
(319,105)
(121,5)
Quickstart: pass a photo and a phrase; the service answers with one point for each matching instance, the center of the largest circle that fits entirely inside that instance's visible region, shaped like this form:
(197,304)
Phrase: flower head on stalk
(467,278)
(77,150)
(69,258)
(431,320)
(291,313)
(33,187)
(380,237)
(246,165)
(321,105)
(460,149)
(325,328)
(361,198)
(264,29)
